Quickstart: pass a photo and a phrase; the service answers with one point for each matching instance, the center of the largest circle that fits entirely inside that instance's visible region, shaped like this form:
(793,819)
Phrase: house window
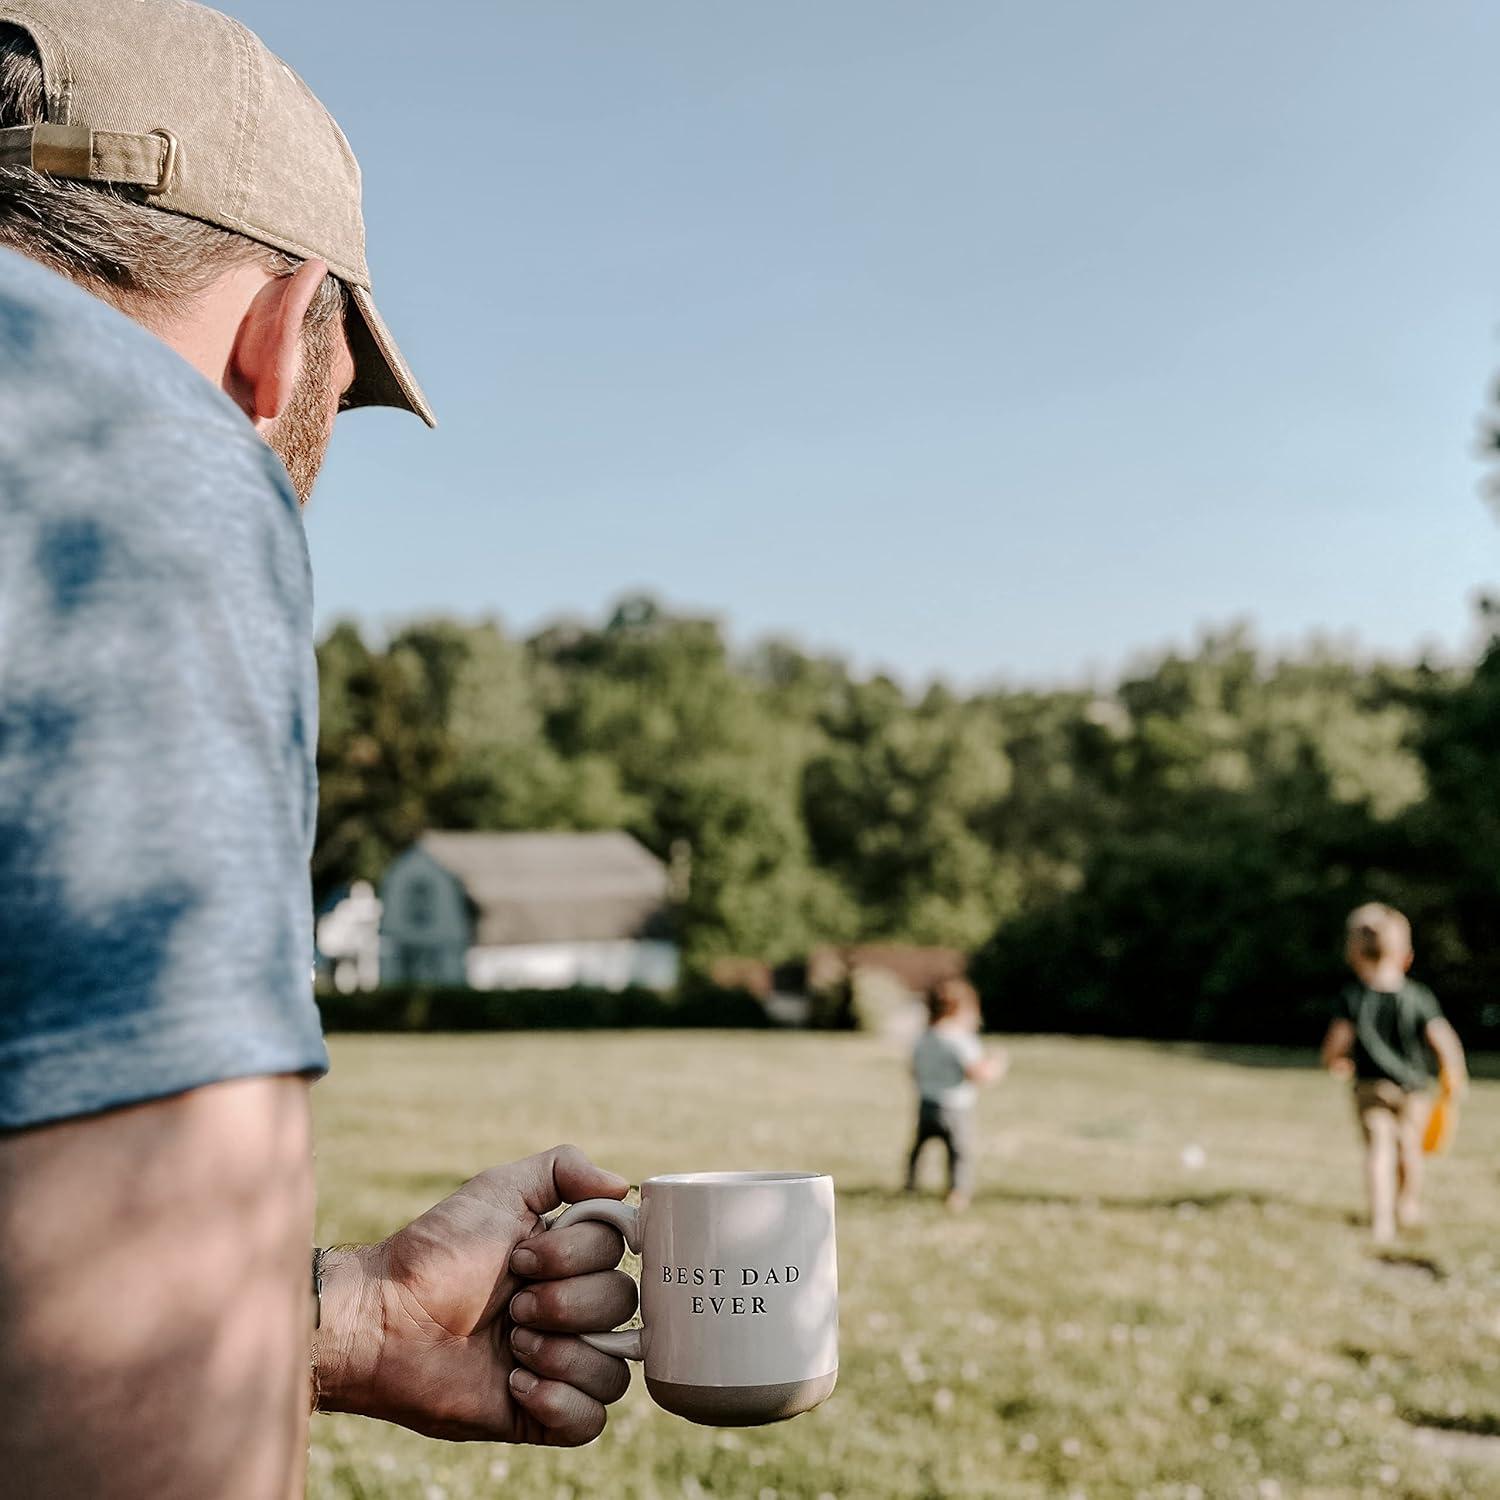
(420,901)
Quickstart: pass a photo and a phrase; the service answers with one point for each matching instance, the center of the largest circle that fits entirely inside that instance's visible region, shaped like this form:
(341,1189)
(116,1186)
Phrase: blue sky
(1000,341)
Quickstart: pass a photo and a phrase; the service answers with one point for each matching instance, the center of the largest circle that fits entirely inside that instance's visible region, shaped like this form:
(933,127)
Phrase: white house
(500,911)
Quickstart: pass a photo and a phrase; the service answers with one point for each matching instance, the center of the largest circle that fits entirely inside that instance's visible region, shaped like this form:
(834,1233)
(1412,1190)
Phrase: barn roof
(554,887)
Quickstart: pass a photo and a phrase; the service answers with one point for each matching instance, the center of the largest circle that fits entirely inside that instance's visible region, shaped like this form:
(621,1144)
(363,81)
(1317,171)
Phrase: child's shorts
(1409,1109)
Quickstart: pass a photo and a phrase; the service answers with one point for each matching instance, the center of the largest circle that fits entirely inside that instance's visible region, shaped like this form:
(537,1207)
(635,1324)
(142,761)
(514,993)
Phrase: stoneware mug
(739,1292)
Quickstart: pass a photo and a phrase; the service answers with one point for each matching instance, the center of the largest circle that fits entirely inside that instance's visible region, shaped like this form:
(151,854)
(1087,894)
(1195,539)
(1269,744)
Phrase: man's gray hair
(107,238)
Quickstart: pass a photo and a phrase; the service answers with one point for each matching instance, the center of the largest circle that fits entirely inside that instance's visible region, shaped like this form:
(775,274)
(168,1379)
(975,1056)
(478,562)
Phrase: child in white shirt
(948,1064)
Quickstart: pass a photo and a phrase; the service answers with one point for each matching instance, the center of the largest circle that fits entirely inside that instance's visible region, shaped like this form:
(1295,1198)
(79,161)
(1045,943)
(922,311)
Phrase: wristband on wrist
(317,1286)
(317,1321)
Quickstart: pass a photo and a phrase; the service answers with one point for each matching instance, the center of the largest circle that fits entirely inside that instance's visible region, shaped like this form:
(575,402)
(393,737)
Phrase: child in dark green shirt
(1383,1035)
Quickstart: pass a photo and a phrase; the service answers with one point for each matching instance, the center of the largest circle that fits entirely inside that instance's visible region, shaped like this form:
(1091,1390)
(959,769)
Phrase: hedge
(437,1008)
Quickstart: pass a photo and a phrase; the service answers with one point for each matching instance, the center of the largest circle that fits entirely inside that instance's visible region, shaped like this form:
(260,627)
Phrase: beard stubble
(300,435)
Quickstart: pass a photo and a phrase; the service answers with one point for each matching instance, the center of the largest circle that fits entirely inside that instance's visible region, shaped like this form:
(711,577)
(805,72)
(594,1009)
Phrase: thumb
(565,1175)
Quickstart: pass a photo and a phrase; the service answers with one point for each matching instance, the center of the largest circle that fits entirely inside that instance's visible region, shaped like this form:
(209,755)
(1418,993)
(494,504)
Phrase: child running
(949,1064)
(1380,1037)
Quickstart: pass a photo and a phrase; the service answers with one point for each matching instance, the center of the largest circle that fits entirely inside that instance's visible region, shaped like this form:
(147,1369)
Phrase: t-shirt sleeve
(968,1049)
(157,773)
(1424,1005)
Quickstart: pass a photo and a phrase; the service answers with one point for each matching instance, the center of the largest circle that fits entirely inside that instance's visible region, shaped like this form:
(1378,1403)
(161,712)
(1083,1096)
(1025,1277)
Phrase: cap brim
(381,376)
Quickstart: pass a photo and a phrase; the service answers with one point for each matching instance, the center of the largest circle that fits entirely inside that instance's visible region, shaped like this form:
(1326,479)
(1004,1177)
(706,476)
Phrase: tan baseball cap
(184,102)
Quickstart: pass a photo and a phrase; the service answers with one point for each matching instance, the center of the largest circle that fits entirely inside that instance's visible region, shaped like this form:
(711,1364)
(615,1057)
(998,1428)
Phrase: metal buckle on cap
(63,150)
(169,166)
(75,151)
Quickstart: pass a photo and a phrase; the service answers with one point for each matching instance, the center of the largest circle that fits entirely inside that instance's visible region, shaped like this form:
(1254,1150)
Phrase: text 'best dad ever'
(741,1278)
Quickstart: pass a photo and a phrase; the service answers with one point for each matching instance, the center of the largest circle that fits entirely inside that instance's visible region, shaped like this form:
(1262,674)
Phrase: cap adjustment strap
(74,151)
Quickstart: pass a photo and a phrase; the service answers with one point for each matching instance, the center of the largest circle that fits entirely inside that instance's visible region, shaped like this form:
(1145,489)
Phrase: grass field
(1106,1321)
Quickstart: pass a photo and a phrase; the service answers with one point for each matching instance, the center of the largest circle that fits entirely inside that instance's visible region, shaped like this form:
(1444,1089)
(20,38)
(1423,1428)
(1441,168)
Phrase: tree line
(1172,856)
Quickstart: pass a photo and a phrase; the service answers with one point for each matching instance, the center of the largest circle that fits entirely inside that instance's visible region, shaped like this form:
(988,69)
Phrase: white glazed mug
(739,1292)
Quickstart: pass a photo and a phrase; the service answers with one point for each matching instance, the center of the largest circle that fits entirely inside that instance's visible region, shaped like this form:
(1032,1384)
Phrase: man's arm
(154,1308)
(1338,1042)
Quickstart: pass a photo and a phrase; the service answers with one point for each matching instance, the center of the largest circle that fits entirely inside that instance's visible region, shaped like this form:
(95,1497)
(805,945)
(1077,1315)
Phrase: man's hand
(460,1325)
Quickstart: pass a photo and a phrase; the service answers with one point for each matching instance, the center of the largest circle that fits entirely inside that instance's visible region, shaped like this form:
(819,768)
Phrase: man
(184,301)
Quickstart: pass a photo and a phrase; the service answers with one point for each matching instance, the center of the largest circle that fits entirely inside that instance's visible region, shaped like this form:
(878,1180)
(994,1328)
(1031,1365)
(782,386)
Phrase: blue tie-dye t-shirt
(158,720)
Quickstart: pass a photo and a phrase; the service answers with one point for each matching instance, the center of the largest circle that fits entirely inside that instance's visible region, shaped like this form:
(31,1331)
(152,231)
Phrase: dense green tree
(382,750)
(1173,856)
(895,806)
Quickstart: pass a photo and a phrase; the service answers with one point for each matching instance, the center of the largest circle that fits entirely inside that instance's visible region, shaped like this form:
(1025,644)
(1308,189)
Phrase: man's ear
(267,355)
(1410,956)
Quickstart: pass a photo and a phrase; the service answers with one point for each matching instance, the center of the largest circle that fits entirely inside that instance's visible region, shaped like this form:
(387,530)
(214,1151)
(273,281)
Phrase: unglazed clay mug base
(739,1292)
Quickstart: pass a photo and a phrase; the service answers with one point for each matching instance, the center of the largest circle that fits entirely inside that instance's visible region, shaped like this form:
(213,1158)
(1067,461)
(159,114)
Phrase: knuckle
(569,1294)
(552,1263)
(570,1359)
(600,1249)
(547,1358)
(551,1251)
(546,1305)
(572,1363)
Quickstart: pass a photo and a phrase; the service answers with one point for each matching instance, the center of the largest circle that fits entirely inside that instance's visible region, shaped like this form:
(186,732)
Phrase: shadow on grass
(1205,1202)
(1476,1424)
(1410,1260)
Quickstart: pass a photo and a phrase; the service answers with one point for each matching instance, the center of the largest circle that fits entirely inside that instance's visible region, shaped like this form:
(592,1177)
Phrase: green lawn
(1106,1321)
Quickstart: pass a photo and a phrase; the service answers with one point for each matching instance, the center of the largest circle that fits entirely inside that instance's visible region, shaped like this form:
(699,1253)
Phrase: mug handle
(624,1343)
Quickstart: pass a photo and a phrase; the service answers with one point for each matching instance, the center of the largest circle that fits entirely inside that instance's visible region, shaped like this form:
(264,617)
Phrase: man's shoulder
(101,412)
(75,367)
